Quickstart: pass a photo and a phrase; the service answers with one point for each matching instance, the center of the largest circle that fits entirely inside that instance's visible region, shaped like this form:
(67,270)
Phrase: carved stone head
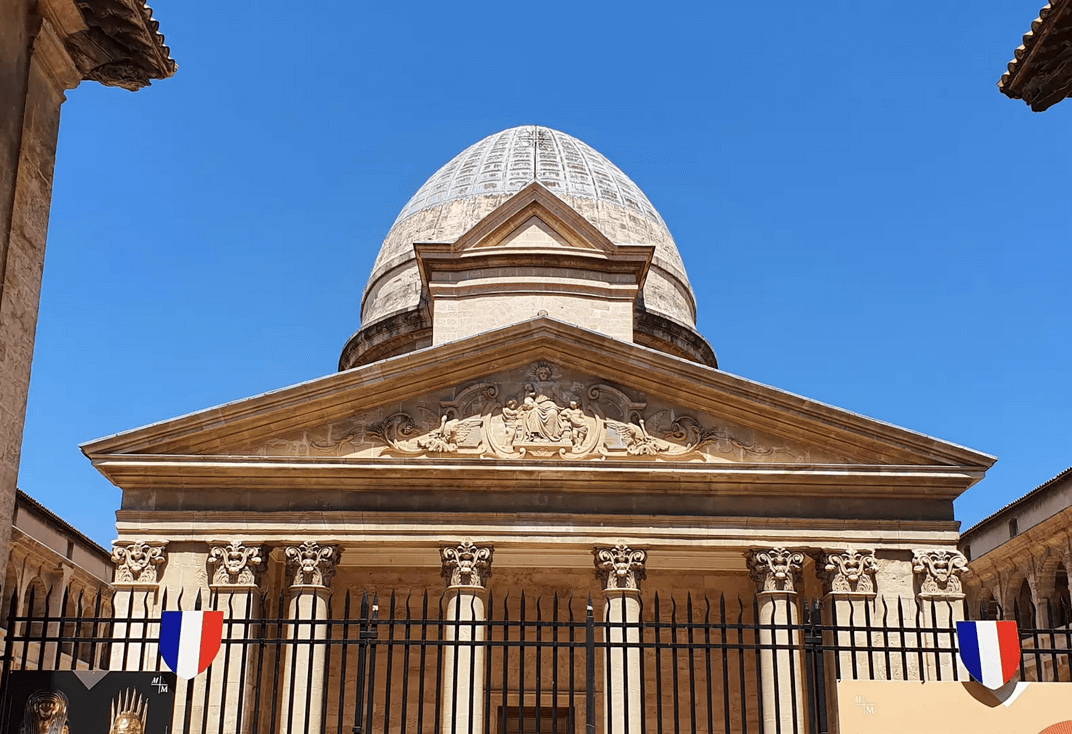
(776,569)
(620,567)
(311,564)
(466,564)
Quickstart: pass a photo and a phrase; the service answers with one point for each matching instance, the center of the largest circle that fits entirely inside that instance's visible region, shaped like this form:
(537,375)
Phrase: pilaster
(620,570)
(466,568)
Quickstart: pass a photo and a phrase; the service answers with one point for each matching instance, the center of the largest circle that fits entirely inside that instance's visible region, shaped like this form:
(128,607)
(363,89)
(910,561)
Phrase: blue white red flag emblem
(190,640)
(990,651)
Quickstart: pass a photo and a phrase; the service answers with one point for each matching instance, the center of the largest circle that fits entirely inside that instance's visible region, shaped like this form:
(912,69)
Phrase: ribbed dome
(486,174)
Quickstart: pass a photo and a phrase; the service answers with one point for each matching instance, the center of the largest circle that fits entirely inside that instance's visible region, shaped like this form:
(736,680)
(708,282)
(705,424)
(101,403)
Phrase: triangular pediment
(539,393)
(534,233)
(541,217)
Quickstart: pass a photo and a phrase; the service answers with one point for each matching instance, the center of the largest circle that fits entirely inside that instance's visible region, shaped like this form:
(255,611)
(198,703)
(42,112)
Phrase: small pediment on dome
(541,411)
(534,218)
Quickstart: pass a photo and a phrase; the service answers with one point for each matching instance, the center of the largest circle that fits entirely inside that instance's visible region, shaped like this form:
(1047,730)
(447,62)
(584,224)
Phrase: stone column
(234,569)
(848,578)
(466,567)
(137,573)
(621,570)
(310,567)
(776,572)
(941,604)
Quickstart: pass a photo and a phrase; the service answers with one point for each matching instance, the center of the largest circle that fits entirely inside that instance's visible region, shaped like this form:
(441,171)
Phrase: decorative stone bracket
(621,567)
(939,572)
(236,564)
(849,571)
(776,569)
(311,564)
(138,563)
(466,565)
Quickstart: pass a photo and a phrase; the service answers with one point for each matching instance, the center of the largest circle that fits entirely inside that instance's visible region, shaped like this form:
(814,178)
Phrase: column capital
(939,572)
(620,568)
(775,569)
(311,564)
(138,563)
(848,572)
(466,565)
(237,565)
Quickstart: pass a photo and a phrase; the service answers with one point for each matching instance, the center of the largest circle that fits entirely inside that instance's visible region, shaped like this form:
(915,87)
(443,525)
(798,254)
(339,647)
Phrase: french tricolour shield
(190,640)
(990,651)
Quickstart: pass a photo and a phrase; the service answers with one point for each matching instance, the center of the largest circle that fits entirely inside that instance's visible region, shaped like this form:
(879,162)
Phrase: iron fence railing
(511,663)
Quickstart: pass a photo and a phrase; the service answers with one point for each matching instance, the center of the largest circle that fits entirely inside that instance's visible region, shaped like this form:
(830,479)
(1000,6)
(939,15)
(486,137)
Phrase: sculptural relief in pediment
(540,411)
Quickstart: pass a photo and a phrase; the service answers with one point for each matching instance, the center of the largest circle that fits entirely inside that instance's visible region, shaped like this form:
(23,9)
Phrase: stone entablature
(620,568)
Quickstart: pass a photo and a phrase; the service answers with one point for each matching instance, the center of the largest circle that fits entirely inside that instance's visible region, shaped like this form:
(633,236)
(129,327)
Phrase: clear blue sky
(866,220)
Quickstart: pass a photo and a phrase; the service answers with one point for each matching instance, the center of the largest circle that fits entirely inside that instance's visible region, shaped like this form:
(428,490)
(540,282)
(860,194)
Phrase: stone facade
(48,555)
(521,457)
(46,48)
(1020,558)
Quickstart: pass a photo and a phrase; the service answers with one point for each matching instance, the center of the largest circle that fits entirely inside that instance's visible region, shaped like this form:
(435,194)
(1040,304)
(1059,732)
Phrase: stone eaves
(1041,70)
(114,42)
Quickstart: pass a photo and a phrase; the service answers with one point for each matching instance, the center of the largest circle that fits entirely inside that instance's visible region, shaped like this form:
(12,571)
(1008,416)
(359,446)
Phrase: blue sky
(865,219)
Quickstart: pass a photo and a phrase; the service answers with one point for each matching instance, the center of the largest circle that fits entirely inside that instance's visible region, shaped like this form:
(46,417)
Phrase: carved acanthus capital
(620,567)
(939,572)
(236,564)
(138,562)
(466,564)
(775,569)
(311,564)
(849,571)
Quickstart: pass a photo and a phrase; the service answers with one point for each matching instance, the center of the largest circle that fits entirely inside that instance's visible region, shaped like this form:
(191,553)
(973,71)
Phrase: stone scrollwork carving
(775,569)
(620,567)
(466,564)
(538,414)
(850,571)
(236,564)
(311,564)
(138,562)
(939,572)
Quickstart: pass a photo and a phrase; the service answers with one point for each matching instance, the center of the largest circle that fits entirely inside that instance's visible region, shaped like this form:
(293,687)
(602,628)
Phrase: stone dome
(486,174)
(395,319)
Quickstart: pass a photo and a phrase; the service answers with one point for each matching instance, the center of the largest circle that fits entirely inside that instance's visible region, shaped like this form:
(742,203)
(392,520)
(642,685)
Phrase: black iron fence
(512,664)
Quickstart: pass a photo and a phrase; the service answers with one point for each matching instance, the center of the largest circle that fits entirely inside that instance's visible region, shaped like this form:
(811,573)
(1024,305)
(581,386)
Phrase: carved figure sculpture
(941,571)
(466,564)
(450,434)
(137,562)
(45,713)
(236,564)
(311,564)
(574,426)
(776,569)
(620,567)
(850,571)
(129,711)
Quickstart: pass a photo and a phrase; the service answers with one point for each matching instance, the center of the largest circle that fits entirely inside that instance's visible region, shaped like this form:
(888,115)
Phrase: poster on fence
(89,702)
(897,707)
